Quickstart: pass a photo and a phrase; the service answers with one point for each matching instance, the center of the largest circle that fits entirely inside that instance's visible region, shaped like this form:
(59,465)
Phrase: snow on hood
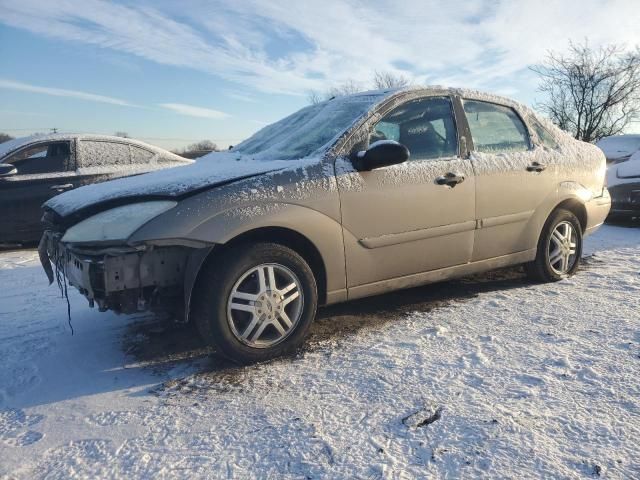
(630,168)
(619,146)
(208,171)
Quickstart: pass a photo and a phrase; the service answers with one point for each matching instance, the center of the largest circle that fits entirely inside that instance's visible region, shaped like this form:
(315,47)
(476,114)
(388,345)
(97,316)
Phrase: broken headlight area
(123,279)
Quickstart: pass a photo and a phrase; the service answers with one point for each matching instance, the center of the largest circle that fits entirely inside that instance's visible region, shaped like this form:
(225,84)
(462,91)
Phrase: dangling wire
(66,296)
(61,280)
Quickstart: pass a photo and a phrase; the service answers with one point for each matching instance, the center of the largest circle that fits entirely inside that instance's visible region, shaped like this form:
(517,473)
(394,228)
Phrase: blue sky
(173,73)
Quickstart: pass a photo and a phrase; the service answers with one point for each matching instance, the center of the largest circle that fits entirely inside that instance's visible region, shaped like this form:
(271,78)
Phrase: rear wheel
(559,248)
(257,303)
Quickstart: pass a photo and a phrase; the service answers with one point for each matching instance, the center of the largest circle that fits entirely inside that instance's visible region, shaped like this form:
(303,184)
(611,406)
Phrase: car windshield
(309,130)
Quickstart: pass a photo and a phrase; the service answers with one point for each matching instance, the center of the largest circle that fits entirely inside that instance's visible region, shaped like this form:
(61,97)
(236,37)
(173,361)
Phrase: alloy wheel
(562,248)
(265,305)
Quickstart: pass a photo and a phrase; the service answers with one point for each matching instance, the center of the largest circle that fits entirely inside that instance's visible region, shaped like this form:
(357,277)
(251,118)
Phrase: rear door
(43,170)
(406,219)
(513,178)
(102,160)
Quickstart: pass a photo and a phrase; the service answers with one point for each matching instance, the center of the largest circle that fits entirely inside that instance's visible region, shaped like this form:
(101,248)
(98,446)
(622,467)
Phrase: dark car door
(42,170)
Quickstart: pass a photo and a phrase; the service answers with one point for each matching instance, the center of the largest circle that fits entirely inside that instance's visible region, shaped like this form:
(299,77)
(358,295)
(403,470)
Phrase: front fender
(323,231)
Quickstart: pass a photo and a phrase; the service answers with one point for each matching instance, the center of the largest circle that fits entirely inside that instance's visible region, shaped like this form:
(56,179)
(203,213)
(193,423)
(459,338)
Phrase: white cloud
(192,111)
(290,48)
(60,92)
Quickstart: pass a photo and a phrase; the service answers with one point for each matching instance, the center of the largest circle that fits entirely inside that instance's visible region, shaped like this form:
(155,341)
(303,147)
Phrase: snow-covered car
(352,197)
(623,173)
(34,169)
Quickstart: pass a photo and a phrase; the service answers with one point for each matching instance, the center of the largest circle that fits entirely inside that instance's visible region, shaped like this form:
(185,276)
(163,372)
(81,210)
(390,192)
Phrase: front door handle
(450,179)
(62,188)
(536,167)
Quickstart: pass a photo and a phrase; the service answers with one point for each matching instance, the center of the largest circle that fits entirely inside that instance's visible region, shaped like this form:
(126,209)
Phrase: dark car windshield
(310,130)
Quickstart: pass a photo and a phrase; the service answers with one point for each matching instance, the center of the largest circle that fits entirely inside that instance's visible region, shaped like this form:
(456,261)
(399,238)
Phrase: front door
(43,170)
(412,217)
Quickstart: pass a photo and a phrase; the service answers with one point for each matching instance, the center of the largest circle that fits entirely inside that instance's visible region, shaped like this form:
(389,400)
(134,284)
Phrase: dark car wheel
(256,303)
(559,248)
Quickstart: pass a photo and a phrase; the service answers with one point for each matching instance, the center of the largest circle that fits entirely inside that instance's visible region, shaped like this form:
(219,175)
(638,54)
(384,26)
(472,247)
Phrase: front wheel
(559,248)
(257,303)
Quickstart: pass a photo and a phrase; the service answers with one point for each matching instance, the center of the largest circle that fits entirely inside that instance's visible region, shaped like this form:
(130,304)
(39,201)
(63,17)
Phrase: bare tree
(592,93)
(201,146)
(314,97)
(198,149)
(5,137)
(382,80)
(349,87)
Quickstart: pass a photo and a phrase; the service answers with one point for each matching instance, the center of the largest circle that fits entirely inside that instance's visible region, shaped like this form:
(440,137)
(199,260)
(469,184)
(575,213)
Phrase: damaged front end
(125,279)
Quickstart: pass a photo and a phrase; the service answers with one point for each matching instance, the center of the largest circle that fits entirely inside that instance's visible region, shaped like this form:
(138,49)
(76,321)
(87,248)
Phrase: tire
(232,324)
(544,268)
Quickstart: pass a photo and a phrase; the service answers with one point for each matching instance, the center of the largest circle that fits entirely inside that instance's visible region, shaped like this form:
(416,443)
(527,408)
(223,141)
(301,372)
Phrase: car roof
(16,143)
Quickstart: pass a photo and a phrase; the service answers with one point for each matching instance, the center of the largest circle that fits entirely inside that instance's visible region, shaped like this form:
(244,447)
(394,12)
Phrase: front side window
(495,128)
(426,127)
(48,157)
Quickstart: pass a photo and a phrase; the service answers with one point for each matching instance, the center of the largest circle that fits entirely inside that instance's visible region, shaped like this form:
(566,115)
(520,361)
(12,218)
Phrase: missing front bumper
(122,279)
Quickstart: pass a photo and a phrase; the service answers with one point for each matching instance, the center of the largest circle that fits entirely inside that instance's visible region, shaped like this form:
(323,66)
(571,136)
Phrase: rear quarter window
(545,137)
(140,156)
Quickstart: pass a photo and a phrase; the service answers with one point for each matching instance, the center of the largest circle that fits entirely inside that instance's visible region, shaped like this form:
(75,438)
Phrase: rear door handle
(536,167)
(450,179)
(62,188)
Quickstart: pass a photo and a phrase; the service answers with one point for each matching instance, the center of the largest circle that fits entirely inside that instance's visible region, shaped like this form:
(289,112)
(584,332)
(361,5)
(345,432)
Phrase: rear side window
(495,128)
(96,153)
(42,158)
(426,127)
(140,155)
(543,134)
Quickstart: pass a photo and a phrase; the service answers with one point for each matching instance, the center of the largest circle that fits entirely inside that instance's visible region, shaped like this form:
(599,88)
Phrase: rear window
(495,128)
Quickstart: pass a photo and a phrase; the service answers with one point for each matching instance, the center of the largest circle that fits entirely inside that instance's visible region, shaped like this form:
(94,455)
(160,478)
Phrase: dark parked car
(34,169)
(623,174)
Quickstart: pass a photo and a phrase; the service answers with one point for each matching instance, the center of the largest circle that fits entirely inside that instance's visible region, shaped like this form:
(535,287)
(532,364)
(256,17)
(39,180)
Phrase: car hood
(630,168)
(209,171)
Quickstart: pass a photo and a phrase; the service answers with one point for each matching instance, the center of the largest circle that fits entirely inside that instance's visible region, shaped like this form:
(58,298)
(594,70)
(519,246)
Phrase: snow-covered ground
(486,376)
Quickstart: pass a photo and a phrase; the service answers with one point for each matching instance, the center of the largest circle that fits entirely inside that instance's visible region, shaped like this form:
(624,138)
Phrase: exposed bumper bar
(123,279)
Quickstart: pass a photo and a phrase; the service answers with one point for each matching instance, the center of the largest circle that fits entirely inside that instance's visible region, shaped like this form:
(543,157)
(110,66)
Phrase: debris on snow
(423,417)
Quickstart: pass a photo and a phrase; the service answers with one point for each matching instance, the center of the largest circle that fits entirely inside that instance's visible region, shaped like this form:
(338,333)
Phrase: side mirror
(6,170)
(380,154)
